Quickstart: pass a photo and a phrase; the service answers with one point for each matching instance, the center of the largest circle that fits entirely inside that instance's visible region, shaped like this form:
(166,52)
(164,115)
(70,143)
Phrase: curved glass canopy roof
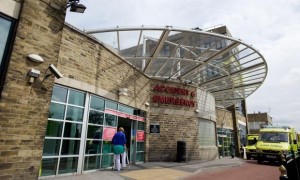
(210,59)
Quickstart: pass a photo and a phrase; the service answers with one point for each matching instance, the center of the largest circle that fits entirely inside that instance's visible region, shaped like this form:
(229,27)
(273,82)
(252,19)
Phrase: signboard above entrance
(181,101)
(124,115)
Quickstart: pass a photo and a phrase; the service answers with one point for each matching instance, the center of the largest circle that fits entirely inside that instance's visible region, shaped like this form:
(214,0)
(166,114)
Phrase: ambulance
(273,141)
(251,146)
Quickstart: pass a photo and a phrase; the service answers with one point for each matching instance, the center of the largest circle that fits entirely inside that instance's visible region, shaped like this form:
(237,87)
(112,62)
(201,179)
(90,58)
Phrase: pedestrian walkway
(157,170)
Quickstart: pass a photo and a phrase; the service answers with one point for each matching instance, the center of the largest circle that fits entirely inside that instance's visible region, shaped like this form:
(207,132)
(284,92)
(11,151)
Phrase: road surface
(248,171)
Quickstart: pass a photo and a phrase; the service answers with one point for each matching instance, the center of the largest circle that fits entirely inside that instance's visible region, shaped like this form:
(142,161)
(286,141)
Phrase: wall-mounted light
(35,58)
(33,73)
(75,7)
(123,92)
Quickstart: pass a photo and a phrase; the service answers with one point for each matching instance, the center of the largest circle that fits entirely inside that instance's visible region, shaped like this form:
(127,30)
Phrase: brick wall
(86,65)
(259,117)
(224,119)
(176,123)
(241,117)
(89,66)
(24,107)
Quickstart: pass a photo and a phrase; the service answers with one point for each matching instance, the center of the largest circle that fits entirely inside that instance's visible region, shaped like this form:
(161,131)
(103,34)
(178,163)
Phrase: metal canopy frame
(227,67)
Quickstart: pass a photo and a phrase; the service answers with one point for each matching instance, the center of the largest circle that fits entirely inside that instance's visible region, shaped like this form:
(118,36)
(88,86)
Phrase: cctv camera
(55,71)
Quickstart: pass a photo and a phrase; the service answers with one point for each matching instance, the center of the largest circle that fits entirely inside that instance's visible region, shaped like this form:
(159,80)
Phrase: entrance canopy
(210,59)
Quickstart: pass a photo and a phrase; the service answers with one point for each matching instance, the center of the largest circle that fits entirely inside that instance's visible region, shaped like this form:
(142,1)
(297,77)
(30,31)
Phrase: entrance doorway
(79,132)
(225,137)
(127,125)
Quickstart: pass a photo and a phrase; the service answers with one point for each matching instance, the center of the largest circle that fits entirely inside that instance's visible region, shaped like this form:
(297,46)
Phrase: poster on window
(108,133)
(140,136)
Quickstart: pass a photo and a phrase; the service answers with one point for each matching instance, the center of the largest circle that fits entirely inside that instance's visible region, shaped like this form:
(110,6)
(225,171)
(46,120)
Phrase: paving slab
(156,170)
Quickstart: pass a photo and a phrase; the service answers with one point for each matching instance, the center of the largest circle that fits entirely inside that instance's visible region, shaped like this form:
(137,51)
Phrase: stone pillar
(235,129)
(245,111)
(23,106)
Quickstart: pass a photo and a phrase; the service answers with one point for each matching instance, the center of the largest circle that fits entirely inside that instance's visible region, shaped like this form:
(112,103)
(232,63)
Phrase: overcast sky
(271,26)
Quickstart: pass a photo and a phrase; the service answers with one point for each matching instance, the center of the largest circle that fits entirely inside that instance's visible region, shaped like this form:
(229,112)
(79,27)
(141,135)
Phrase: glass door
(140,141)
(221,145)
(79,132)
(133,142)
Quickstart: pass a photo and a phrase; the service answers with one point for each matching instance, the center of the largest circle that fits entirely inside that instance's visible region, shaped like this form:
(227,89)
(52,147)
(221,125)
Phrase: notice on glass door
(108,133)
(140,136)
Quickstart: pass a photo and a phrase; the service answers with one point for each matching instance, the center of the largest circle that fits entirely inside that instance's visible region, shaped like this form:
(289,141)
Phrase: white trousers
(117,160)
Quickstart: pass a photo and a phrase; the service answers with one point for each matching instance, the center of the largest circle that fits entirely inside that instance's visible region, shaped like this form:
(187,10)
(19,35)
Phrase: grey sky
(271,26)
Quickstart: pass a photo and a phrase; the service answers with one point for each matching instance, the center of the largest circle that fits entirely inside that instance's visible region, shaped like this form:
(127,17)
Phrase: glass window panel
(107,147)
(93,147)
(59,94)
(126,109)
(57,111)
(243,138)
(76,98)
(107,161)
(141,125)
(51,147)
(140,146)
(54,128)
(96,117)
(74,114)
(49,166)
(68,165)
(70,147)
(95,132)
(111,105)
(110,120)
(140,157)
(92,162)
(4,31)
(72,130)
(207,133)
(97,103)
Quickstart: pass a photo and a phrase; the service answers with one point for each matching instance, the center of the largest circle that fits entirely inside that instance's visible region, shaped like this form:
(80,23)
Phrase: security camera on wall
(55,71)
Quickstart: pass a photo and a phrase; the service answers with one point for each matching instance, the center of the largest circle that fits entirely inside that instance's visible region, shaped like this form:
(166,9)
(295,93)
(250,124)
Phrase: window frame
(8,49)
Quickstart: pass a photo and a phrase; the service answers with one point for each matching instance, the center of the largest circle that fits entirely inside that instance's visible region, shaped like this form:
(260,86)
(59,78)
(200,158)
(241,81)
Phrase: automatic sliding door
(140,144)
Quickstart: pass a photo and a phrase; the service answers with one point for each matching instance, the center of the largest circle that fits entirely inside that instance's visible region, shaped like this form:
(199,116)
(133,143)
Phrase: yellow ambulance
(251,146)
(273,141)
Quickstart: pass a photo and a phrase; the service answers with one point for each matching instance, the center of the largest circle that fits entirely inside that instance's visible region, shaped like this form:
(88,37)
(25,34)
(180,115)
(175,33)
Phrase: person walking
(232,149)
(119,146)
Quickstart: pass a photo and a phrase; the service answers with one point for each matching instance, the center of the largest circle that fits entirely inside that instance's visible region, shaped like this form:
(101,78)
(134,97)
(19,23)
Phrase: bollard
(283,173)
(244,153)
(283,160)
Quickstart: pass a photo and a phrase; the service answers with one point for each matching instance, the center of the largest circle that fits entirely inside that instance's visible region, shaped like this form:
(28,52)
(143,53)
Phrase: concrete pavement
(157,170)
